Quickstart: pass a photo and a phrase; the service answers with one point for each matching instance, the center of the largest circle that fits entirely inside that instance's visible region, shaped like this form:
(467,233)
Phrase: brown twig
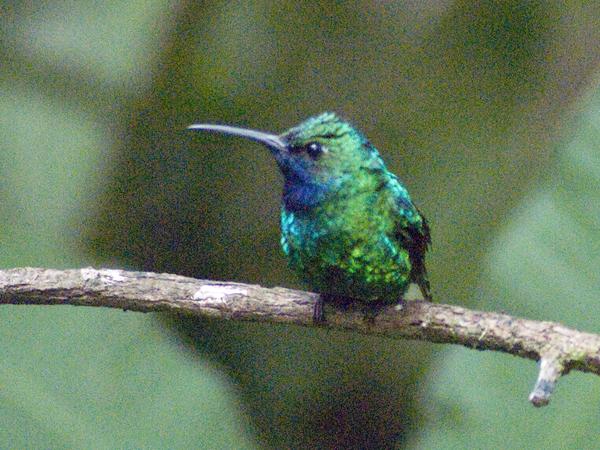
(558,349)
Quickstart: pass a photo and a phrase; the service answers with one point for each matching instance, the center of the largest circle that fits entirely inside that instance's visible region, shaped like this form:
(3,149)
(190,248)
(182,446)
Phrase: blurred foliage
(489,113)
(542,264)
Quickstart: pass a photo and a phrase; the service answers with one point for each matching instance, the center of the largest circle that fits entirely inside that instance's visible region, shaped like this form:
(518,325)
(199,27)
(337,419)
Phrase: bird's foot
(371,310)
(337,301)
(319,311)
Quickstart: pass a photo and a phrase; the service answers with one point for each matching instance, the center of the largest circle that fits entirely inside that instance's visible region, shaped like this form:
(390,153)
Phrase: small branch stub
(550,371)
(556,347)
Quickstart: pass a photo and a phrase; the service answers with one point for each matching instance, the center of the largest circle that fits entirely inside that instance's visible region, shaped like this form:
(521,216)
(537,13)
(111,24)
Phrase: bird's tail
(420,278)
(425,288)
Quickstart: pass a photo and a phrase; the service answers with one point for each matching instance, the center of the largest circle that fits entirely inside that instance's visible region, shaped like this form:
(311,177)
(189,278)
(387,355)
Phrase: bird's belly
(363,265)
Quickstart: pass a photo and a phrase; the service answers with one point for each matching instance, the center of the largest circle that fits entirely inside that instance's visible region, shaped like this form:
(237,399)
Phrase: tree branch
(558,348)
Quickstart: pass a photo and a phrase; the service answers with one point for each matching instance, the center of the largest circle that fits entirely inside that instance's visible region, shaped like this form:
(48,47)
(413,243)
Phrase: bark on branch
(558,349)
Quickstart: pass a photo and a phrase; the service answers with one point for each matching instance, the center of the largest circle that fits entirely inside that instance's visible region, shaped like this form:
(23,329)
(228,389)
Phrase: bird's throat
(303,196)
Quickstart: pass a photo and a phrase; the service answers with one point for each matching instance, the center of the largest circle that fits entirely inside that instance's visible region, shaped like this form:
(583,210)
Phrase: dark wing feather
(413,230)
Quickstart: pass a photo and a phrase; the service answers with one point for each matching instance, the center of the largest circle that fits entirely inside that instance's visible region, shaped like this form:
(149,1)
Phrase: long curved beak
(272,141)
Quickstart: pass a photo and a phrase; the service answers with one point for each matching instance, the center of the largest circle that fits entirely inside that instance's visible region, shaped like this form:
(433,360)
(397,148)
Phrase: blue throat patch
(302,196)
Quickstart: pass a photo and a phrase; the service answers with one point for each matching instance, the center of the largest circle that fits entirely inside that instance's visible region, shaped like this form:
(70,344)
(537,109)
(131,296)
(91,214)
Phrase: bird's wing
(413,231)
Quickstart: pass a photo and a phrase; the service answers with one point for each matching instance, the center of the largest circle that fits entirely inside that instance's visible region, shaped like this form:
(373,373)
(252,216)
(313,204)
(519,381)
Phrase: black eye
(314,149)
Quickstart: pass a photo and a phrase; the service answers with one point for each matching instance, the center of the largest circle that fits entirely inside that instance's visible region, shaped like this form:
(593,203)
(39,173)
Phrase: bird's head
(321,150)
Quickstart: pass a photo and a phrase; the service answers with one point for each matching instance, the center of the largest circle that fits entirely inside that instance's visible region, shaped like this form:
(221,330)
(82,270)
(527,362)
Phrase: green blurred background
(488,111)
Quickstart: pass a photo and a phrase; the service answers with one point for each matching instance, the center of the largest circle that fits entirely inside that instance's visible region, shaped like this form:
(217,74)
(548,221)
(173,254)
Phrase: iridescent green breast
(346,248)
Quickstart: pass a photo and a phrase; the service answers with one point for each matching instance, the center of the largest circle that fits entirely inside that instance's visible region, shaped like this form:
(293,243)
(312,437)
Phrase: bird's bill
(270,140)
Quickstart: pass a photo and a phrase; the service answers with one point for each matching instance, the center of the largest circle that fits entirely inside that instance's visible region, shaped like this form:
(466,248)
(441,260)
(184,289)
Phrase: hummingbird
(348,225)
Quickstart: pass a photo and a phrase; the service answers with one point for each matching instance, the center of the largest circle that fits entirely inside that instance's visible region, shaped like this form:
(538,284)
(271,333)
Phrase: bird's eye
(314,150)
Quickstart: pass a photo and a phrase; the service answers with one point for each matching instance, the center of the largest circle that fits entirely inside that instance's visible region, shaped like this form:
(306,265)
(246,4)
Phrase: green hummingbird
(348,226)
